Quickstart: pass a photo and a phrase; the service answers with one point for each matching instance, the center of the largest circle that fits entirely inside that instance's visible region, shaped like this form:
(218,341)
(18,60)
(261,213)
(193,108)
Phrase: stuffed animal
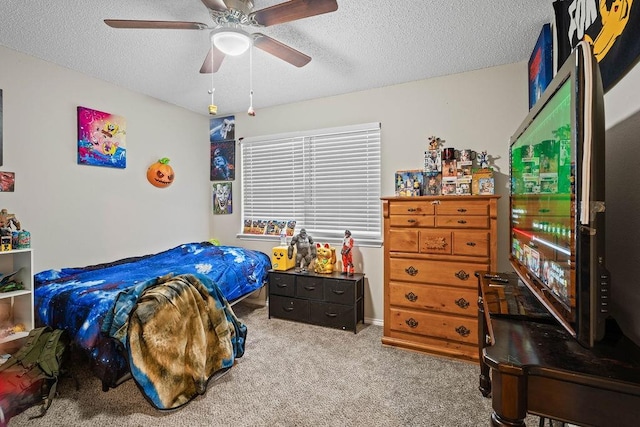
(325,258)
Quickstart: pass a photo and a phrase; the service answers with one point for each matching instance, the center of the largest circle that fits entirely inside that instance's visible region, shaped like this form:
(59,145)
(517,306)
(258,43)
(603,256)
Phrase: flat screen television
(557,199)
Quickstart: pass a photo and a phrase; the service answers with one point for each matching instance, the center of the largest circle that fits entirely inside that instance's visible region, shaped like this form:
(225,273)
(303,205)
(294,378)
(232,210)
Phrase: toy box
(279,259)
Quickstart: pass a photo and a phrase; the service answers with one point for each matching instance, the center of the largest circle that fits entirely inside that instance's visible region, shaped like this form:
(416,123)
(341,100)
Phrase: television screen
(557,198)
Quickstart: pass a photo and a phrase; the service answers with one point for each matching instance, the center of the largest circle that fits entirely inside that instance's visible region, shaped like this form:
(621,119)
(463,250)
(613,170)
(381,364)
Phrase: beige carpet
(294,374)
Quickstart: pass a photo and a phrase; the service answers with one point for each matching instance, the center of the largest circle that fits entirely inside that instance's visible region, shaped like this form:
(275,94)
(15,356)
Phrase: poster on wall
(222,198)
(1,141)
(222,128)
(540,65)
(612,27)
(101,139)
(7,181)
(223,161)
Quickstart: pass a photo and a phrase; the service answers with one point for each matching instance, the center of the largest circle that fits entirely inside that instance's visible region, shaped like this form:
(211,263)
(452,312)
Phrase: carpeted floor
(294,374)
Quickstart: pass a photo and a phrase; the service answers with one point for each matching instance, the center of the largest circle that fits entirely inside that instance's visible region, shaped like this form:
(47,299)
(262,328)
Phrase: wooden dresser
(433,245)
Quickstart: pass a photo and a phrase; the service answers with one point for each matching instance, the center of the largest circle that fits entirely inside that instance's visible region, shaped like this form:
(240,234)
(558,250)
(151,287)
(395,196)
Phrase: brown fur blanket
(178,336)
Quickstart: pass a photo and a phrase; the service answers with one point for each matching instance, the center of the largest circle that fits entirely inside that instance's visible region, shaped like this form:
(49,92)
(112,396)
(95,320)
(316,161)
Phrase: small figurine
(434,142)
(306,250)
(483,159)
(325,258)
(347,255)
(7,221)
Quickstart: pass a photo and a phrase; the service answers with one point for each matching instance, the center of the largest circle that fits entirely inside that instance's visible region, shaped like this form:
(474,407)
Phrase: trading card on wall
(223,161)
(222,129)
(7,181)
(222,198)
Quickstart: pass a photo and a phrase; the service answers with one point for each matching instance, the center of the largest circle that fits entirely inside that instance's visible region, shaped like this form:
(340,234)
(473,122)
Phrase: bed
(111,310)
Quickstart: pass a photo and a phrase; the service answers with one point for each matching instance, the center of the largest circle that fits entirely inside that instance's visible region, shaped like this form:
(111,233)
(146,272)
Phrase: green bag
(30,376)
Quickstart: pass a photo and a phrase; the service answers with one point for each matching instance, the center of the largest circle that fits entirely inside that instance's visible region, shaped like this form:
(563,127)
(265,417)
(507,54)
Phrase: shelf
(13,337)
(4,295)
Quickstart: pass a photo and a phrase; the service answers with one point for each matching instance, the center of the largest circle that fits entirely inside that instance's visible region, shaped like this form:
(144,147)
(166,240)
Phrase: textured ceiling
(363,45)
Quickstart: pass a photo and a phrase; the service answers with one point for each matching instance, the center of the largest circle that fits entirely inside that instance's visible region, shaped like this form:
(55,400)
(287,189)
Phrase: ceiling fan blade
(292,10)
(167,25)
(282,51)
(209,66)
(215,5)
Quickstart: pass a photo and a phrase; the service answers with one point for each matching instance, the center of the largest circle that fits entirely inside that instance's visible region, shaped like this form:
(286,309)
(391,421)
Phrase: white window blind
(327,180)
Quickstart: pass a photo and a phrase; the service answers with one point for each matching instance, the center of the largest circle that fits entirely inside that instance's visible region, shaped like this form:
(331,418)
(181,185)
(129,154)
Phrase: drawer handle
(310,288)
(331,314)
(411,271)
(411,297)
(435,202)
(462,221)
(411,221)
(463,331)
(462,210)
(337,291)
(462,303)
(471,243)
(462,275)
(411,322)
(287,309)
(412,210)
(281,285)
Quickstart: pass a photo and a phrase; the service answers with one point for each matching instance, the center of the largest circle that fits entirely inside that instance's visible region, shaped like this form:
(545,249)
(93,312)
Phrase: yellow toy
(325,258)
(279,259)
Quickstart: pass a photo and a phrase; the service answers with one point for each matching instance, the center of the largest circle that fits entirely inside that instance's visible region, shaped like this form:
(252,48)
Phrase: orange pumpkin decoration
(160,174)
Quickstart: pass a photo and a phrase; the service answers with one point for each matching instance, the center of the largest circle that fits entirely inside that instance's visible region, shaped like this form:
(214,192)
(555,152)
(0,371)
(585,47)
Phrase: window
(327,180)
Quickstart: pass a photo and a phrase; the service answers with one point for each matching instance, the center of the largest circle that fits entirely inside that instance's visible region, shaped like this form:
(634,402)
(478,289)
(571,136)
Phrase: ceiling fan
(227,33)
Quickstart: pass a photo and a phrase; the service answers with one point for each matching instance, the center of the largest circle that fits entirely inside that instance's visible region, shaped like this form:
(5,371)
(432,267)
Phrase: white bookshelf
(20,302)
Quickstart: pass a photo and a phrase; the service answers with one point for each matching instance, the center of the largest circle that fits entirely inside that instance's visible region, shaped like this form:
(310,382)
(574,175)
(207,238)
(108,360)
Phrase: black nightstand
(332,300)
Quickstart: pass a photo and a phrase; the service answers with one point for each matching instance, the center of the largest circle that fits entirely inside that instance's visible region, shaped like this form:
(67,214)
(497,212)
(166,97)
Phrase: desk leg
(509,398)
(485,379)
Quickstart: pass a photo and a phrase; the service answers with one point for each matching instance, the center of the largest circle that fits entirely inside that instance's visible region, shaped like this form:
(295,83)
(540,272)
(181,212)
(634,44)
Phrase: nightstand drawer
(309,287)
(333,315)
(282,284)
(339,292)
(452,328)
(289,308)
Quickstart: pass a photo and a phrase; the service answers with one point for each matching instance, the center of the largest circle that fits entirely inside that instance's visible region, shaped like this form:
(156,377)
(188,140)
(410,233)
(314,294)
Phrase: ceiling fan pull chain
(213,109)
(251,111)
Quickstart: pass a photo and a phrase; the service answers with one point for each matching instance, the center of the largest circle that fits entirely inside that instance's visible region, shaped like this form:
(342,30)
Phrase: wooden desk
(538,368)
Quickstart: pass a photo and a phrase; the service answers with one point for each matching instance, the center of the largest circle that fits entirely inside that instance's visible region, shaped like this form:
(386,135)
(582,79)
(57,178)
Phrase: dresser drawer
(411,207)
(435,241)
(463,207)
(281,284)
(412,220)
(289,308)
(471,243)
(332,315)
(309,287)
(453,328)
(339,291)
(437,272)
(403,240)
(461,221)
(434,298)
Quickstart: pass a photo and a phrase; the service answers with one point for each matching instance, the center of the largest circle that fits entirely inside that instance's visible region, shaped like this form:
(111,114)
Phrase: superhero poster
(612,27)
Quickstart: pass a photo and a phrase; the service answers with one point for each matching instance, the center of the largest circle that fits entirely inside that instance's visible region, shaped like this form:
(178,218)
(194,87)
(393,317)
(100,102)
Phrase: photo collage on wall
(223,162)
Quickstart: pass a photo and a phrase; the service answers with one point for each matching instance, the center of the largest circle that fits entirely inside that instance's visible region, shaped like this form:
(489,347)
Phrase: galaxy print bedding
(79,299)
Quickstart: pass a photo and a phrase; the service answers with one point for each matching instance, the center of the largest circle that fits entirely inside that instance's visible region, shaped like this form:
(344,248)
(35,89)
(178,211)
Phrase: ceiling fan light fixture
(231,41)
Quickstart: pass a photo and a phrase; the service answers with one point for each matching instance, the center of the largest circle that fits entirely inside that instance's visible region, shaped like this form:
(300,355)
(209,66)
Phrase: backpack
(30,376)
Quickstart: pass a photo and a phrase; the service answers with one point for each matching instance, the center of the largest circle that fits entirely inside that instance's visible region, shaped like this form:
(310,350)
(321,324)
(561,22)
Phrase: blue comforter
(78,299)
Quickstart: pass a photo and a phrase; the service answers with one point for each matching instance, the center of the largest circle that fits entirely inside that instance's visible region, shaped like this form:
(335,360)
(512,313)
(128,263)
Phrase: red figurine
(347,255)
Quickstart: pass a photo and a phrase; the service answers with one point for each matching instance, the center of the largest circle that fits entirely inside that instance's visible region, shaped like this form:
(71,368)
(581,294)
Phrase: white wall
(478,110)
(80,215)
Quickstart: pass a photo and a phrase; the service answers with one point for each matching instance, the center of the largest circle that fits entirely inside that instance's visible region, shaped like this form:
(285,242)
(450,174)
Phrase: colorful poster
(222,198)
(223,161)
(222,129)
(540,65)
(101,139)
(611,27)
